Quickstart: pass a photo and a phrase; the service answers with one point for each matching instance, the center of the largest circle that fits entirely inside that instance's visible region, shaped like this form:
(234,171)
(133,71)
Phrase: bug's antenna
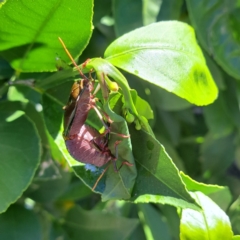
(70,56)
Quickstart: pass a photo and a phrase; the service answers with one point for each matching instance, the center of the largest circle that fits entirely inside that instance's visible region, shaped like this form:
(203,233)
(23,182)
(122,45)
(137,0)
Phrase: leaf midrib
(39,30)
(191,54)
(164,182)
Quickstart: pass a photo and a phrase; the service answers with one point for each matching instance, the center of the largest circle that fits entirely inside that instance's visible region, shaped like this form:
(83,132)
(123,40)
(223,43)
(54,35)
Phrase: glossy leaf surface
(211,223)
(19,223)
(234,215)
(158,178)
(31,43)
(19,158)
(167,55)
(217,26)
(81,224)
(219,194)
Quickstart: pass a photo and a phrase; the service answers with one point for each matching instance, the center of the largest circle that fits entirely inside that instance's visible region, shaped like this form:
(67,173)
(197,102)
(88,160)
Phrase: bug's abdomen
(81,146)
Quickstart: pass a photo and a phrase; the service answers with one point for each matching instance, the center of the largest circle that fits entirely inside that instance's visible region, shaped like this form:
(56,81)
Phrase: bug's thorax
(78,106)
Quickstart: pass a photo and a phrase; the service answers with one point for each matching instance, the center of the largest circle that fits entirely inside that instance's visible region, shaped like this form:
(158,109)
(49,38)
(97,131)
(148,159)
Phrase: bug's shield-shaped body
(84,143)
(79,103)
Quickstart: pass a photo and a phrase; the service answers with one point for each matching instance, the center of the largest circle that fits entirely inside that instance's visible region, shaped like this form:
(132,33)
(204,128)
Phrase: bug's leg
(108,130)
(116,169)
(105,94)
(100,116)
(99,178)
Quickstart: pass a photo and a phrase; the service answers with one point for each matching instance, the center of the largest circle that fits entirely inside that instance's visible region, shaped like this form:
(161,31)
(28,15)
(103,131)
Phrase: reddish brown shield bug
(84,143)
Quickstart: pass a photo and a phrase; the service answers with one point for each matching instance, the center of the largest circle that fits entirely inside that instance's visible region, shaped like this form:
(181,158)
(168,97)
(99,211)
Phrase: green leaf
(5,69)
(231,97)
(217,154)
(217,27)
(210,223)
(81,224)
(169,125)
(167,101)
(101,9)
(172,218)
(19,223)
(127,15)
(170,9)
(57,232)
(155,226)
(216,72)
(23,93)
(76,190)
(218,118)
(150,10)
(156,167)
(47,190)
(148,52)
(236,237)
(234,215)
(31,106)
(172,152)
(193,185)
(29,35)
(20,153)
(142,106)
(53,102)
(220,195)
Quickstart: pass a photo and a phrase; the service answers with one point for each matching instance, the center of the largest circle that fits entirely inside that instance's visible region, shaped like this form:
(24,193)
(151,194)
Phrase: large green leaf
(47,189)
(220,195)
(210,223)
(167,55)
(19,223)
(20,153)
(217,26)
(234,215)
(29,31)
(81,224)
(158,179)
